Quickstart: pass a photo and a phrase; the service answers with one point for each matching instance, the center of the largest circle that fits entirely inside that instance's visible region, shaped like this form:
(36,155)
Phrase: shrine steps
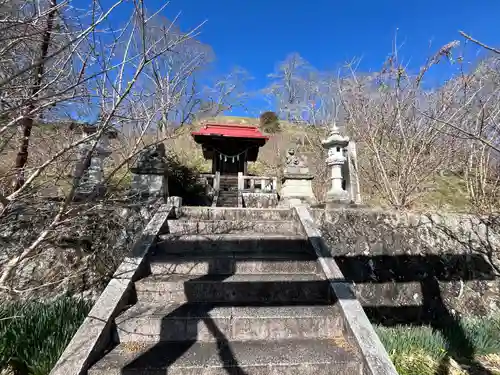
(252,301)
(227,198)
(228,191)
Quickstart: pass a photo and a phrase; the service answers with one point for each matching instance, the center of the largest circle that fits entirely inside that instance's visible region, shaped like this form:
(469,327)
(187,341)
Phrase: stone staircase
(232,292)
(228,192)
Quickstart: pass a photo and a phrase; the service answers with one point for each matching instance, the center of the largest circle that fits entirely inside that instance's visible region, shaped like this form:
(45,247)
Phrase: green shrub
(482,333)
(269,122)
(421,350)
(34,334)
(403,339)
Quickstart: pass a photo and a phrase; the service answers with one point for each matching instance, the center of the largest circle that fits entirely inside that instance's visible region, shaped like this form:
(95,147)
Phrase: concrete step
(270,290)
(288,357)
(191,322)
(234,263)
(235,213)
(267,243)
(231,226)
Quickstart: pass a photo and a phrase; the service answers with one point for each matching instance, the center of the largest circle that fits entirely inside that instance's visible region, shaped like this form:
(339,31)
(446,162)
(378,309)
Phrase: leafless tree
(56,60)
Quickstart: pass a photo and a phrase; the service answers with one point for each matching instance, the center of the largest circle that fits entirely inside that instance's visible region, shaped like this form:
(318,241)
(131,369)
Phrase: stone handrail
(359,329)
(261,183)
(96,332)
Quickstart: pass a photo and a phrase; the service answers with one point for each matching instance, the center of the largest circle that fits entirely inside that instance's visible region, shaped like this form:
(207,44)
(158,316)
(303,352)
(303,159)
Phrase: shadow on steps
(427,270)
(165,354)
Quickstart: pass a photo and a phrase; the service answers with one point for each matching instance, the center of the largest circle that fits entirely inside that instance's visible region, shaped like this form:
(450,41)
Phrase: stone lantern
(335,144)
(91,180)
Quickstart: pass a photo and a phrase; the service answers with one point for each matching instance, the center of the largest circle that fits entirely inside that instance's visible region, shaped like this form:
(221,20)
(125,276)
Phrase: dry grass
(444,192)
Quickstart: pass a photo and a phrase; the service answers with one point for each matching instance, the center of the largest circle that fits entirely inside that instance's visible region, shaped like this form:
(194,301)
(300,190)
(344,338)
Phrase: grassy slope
(34,334)
(445,192)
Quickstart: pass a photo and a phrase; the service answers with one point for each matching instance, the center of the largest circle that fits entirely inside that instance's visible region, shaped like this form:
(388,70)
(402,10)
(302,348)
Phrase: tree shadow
(200,301)
(427,270)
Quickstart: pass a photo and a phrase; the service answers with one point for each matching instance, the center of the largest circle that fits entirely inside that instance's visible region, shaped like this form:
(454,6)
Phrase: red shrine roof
(232,131)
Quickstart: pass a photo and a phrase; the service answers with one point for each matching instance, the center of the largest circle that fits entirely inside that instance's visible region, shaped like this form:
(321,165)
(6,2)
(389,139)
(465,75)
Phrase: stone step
(287,357)
(227,204)
(241,242)
(231,226)
(223,199)
(191,322)
(234,263)
(235,213)
(278,289)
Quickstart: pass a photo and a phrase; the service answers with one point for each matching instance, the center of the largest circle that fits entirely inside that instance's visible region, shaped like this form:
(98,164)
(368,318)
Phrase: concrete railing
(257,183)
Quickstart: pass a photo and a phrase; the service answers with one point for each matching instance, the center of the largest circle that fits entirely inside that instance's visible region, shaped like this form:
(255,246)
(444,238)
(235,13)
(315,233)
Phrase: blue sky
(257,34)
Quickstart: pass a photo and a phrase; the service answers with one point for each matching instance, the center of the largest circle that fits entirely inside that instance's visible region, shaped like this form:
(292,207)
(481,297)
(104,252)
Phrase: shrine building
(230,147)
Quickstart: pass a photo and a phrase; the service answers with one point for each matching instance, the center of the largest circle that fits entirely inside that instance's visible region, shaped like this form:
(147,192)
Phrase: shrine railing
(257,184)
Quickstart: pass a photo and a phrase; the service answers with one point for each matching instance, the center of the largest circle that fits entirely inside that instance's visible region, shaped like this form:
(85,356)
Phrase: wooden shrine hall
(230,147)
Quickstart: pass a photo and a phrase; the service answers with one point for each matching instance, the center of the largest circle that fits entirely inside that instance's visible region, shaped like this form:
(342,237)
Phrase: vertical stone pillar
(335,144)
(352,159)
(91,181)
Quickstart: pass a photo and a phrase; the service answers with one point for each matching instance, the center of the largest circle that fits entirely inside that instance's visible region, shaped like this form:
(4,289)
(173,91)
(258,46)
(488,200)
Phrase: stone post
(335,144)
(241,181)
(353,185)
(149,173)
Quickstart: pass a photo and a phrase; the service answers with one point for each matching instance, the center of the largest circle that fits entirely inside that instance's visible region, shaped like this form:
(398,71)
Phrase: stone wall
(260,200)
(412,266)
(78,257)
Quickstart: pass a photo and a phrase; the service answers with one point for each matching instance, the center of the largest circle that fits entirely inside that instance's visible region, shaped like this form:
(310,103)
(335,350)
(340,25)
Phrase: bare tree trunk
(27,122)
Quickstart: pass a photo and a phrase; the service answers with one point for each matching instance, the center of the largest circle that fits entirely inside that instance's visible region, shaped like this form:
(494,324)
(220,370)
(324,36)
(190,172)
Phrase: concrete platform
(232,226)
(233,213)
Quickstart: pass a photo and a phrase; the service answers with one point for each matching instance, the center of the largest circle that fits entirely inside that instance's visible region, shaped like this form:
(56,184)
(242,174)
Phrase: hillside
(445,191)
